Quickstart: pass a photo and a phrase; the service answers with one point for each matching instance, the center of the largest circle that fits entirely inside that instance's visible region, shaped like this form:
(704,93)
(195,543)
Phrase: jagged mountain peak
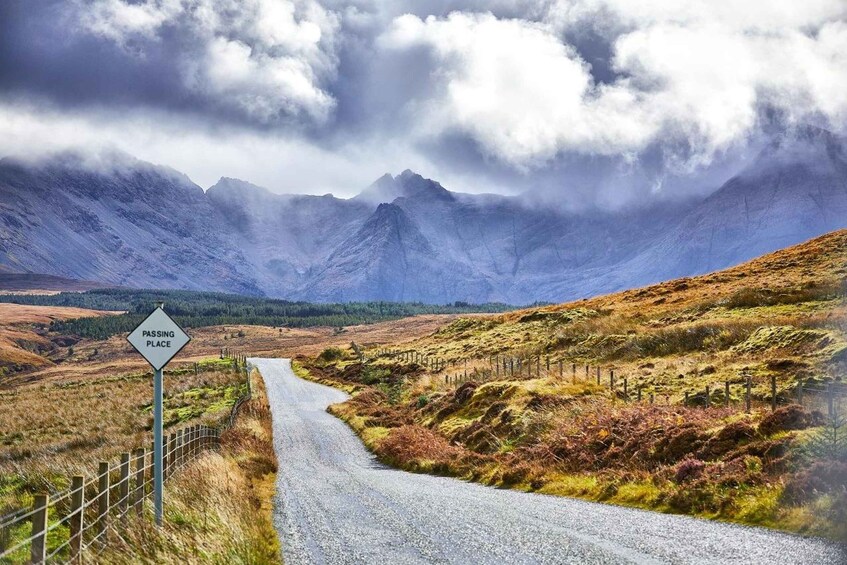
(407,184)
(236,188)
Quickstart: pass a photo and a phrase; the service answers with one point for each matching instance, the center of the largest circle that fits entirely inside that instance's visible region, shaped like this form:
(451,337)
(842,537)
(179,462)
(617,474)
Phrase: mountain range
(122,221)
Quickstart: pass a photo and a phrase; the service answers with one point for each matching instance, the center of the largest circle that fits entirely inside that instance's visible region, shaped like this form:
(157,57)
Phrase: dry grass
(53,430)
(24,342)
(782,316)
(218,510)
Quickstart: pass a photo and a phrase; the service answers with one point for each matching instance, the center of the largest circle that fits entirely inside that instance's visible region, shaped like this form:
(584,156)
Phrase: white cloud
(764,15)
(514,87)
(118,20)
(693,76)
(268,59)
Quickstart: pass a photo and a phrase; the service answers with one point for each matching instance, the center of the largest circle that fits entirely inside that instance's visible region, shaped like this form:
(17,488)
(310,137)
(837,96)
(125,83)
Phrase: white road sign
(158,339)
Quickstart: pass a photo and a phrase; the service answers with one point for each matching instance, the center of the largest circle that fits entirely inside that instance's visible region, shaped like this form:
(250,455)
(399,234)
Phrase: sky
(585,102)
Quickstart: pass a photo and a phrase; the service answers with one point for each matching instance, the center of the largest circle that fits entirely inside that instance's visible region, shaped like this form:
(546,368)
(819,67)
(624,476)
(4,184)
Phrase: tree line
(199,309)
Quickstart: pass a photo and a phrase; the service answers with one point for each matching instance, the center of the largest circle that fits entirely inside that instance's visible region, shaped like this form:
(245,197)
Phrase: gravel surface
(336,504)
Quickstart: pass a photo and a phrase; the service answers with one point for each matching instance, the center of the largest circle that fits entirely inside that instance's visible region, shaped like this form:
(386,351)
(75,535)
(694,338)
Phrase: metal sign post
(158,339)
(158,446)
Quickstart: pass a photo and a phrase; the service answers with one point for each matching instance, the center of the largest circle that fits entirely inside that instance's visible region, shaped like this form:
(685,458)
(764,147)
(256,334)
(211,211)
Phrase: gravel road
(336,504)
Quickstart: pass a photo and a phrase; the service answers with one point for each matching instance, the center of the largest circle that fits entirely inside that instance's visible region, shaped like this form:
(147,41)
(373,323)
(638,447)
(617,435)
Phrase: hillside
(703,316)
(623,398)
(404,238)
(25,342)
(43,284)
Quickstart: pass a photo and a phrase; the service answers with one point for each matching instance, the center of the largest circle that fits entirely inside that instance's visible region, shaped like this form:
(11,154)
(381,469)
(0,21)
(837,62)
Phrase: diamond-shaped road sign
(158,338)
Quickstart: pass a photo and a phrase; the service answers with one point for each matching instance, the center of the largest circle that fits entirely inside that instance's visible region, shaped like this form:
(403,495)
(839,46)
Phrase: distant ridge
(128,223)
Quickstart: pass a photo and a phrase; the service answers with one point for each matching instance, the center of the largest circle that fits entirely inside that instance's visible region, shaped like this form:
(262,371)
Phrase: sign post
(158,339)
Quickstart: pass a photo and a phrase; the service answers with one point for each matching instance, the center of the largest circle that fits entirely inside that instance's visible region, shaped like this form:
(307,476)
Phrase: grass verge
(218,510)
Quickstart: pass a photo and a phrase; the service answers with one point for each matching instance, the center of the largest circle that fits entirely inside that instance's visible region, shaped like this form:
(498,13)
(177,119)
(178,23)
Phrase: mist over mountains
(404,238)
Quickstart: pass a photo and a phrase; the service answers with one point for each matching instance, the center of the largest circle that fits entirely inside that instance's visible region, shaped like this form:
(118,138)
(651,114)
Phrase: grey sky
(580,101)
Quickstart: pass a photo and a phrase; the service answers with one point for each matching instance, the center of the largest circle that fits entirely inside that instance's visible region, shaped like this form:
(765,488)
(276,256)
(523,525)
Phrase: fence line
(79,520)
(826,396)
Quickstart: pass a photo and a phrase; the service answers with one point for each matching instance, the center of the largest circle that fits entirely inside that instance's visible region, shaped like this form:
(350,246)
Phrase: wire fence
(76,523)
(744,392)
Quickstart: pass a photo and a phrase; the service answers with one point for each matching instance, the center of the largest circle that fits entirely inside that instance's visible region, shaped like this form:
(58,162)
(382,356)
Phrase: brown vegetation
(780,316)
(24,340)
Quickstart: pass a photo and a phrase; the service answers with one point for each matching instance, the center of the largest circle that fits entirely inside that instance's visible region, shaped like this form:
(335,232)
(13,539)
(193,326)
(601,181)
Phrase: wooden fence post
(77,518)
(169,457)
(686,398)
(708,402)
(138,491)
(174,451)
(598,375)
(639,393)
(180,447)
(166,442)
(726,394)
(773,393)
(548,363)
(102,523)
(123,490)
(38,547)
(747,394)
(625,389)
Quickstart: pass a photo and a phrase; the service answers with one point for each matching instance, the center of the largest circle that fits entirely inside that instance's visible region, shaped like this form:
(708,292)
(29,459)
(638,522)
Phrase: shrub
(687,470)
(331,354)
(785,418)
(374,375)
(730,437)
(465,392)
